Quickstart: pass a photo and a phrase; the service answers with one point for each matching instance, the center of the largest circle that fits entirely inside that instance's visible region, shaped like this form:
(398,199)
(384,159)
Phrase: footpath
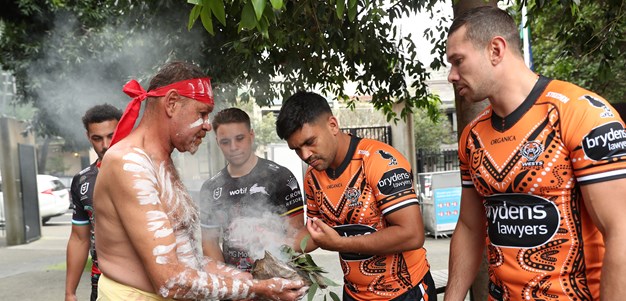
(36,271)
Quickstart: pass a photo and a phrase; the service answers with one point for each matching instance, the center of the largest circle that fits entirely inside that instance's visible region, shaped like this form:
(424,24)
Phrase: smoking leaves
(304,263)
(300,266)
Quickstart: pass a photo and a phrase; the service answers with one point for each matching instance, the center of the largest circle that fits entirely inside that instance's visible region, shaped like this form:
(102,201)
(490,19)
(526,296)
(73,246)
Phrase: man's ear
(333,124)
(497,47)
(171,101)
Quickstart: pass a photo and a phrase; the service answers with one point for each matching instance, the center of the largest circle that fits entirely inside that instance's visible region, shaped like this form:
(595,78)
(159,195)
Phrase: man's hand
(323,235)
(70,297)
(280,289)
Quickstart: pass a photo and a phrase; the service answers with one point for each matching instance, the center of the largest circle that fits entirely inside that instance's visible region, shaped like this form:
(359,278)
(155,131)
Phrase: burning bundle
(298,266)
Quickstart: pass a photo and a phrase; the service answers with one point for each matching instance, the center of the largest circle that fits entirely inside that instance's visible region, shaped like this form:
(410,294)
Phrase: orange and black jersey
(529,166)
(373,180)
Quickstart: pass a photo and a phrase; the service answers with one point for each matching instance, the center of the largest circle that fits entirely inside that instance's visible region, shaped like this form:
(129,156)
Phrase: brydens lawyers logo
(605,141)
(520,220)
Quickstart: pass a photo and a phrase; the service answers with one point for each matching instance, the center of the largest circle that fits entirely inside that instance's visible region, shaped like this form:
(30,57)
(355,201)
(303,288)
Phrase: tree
(308,43)
(62,52)
(67,54)
(429,134)
(583,44)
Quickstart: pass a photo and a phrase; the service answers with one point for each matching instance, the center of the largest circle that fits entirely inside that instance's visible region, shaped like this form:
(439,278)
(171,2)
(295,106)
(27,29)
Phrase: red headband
(197,88)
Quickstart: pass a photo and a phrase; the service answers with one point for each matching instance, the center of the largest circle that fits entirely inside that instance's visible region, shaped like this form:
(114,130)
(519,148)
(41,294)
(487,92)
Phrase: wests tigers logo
(531,151)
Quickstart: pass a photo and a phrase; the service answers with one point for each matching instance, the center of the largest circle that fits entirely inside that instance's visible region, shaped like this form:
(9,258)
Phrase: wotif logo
(239,191)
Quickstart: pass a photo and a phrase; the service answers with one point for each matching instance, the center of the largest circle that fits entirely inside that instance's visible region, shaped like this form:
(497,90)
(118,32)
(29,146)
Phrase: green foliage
(272,49)
(295,45)
(69,55)
(431,134)
(303,262)
(583,42)
(265,130)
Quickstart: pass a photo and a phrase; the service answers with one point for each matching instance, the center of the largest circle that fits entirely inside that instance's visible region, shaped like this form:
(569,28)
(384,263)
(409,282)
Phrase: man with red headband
(147,224)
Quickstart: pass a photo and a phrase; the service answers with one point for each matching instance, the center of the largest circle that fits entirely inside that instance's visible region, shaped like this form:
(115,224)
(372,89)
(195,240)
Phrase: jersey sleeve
(312,208)
(593,134)
(464,166)
(288,193)
(389,174)
(79,214)
(465,147)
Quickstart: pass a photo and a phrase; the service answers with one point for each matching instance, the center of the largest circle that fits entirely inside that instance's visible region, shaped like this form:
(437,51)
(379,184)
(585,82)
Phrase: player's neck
(343,144)
(237,171)
(514,91)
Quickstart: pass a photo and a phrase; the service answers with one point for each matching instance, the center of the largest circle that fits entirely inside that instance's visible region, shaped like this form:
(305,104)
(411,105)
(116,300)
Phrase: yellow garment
(109,290)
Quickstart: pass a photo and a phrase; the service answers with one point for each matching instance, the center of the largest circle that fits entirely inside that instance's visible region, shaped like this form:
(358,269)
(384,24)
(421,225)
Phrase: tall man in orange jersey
(543,172)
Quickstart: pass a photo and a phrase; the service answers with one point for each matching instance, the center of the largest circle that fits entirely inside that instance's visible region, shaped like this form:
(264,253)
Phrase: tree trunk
(42,155)
(466,111)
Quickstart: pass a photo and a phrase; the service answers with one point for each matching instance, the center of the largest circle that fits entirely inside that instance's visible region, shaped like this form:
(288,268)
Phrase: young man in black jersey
(100,122)
(248,186)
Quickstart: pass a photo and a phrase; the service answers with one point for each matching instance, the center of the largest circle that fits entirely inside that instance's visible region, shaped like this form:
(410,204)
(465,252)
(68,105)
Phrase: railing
(380,133)
(442,160)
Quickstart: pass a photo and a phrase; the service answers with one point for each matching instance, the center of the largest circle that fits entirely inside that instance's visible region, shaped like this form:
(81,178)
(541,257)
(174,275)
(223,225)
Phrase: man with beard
(147,233)
(543,172)
(360,202)
(100,122)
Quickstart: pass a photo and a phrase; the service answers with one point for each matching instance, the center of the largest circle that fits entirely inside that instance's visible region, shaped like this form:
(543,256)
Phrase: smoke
(252,224)
(259,234)
(82,67)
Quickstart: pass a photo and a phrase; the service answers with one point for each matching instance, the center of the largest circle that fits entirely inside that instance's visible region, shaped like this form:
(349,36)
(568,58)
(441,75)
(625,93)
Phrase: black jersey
(268,187)
(81,193)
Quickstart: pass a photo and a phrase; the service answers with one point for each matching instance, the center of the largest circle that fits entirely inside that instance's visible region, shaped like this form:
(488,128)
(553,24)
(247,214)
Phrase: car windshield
(58,185)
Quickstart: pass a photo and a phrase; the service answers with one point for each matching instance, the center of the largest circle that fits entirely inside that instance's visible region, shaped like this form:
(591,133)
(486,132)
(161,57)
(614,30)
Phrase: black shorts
(423,291)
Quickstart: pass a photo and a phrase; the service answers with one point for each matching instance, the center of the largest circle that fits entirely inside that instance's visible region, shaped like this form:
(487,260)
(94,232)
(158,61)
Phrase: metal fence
(380,133)
(439,160)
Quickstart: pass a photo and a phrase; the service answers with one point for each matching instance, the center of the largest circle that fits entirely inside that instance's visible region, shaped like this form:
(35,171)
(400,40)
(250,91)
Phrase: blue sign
(447,203)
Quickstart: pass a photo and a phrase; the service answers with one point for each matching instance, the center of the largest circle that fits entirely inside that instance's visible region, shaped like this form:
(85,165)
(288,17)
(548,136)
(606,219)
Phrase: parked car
(54,198)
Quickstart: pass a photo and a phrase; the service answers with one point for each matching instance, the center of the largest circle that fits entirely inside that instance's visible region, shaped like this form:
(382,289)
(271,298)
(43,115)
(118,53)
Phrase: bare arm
(299,236)
(466,246)
(76,258)
(215,256)
(405,231)
(210,244)
(606,205)
(156,217)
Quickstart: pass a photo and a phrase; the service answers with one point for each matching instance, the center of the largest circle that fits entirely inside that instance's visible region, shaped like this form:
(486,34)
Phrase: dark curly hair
(101,113)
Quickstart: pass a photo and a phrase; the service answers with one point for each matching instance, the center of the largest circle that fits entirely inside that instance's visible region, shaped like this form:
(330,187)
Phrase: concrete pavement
(36,271)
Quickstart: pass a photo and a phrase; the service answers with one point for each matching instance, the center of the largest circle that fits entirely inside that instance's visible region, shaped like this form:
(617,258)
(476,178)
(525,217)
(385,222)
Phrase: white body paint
(160,185)
(196,123)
